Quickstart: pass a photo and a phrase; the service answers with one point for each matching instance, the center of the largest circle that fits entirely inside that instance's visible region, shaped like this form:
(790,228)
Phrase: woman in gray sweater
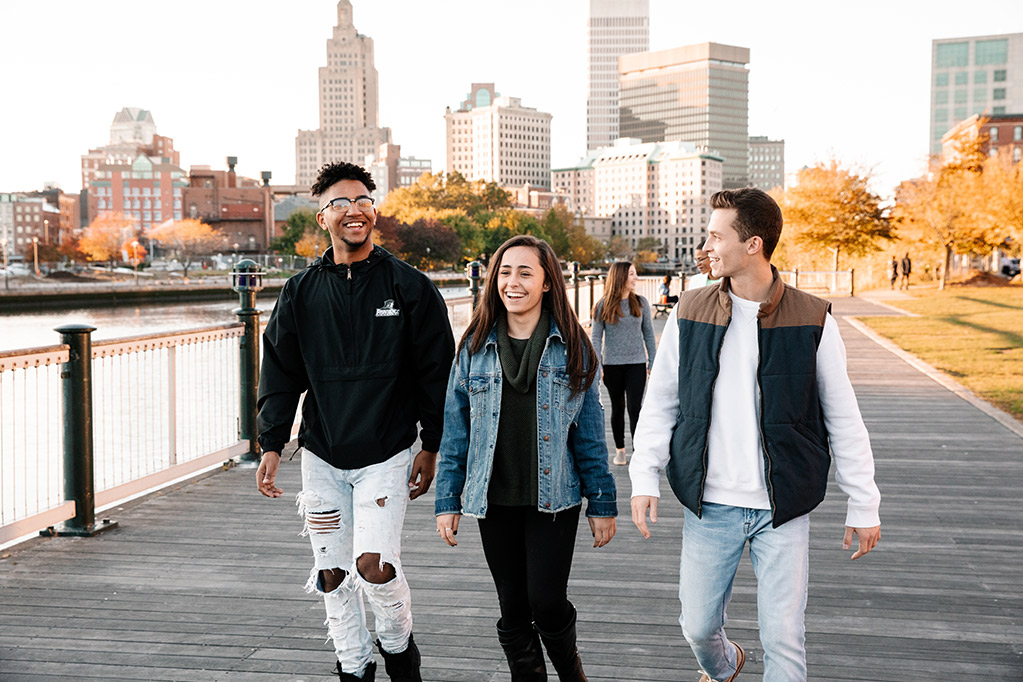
(623,337)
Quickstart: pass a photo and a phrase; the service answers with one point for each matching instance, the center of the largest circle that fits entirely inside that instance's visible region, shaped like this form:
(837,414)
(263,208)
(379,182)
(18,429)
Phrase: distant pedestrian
(664,291)
(905,267)
(622,317)
(703,278)
(523,444)
(893,271)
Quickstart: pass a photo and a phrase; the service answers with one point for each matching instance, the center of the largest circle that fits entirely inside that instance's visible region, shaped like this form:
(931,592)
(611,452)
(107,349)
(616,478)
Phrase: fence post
(852,281)
(575,280)
(472,273)
(247,280)
(76,396)
(591,279)
(795,278)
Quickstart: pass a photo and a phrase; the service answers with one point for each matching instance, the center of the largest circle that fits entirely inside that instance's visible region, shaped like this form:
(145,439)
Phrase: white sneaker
(619,457)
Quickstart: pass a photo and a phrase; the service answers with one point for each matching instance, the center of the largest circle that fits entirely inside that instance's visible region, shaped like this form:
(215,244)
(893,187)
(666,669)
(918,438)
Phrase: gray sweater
(625,339)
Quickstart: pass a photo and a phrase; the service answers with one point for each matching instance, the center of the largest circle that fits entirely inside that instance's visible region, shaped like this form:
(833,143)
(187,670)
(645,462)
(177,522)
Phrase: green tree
(832,208)
(300,223)
(428,241)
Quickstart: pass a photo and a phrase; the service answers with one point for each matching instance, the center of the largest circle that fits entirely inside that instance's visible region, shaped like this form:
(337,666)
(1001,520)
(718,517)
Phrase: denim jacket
(571,443)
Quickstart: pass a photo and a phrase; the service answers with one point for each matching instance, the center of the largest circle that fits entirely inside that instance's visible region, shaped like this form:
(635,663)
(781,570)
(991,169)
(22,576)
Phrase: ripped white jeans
(348,513)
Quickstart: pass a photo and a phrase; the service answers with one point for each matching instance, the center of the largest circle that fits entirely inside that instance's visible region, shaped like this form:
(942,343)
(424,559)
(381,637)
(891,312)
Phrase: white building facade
(614,28)
(766,163)
(978,75)
(496,139)
(348,92)
(634,190)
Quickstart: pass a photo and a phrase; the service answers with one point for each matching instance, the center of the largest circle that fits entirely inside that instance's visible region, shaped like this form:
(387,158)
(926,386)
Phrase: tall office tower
(615,27)
(980,75)
(349,121)
(635,190)
(766,163)
(697,93)
(496,139)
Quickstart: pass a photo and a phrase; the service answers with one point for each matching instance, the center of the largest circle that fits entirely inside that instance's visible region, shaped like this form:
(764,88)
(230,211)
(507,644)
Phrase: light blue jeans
(711,549)
(348,513)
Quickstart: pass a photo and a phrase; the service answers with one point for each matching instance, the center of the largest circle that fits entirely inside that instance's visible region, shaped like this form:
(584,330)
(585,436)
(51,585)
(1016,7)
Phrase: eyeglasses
(362,203)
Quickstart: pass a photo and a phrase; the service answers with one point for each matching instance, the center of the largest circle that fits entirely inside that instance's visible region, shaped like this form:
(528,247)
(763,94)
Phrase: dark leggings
(624,383)
(530,556)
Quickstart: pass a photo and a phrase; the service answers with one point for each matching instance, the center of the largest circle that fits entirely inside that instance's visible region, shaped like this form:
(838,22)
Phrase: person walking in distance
(702,278)
(366,337)
(893,271)
(905,267)
(523,444)
(622,328)
(748,392)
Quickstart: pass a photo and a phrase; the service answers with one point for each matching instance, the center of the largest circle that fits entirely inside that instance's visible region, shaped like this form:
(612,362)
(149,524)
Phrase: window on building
(998,76)
(960,97)
(992,134)
(962,78)
(979,95)
(960,113)
(941,79)
(1016,151)
(998,110)
(953,54)
(980,76)
(1017,133)
(999,93)
(991,51)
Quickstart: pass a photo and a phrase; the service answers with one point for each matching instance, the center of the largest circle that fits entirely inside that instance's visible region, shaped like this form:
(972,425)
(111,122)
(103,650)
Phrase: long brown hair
(608,308)
(581,358)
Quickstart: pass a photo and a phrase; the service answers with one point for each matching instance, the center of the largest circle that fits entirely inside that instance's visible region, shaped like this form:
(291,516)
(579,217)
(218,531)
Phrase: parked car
(16,270)
(1010,267)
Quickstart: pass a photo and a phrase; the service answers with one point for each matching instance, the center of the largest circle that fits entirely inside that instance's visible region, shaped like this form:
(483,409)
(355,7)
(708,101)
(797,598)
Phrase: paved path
(203,582)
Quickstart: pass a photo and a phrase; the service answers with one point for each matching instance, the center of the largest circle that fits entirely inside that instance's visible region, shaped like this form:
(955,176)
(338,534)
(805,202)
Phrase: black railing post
(591,279)
(472,273)
(575,280)
(76,396)
(247,280)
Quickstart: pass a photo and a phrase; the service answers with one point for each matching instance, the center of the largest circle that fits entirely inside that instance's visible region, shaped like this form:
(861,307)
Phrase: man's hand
(603,529)
(266,474)
(640,504)
(447,528)
(423,467)
(868,537)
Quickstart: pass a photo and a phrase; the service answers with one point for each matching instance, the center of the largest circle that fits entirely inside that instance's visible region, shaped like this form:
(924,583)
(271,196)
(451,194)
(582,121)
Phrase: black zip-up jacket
(372,345)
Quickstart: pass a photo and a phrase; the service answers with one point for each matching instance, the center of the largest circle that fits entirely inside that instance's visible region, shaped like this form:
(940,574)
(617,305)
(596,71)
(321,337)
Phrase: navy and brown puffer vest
(793,436)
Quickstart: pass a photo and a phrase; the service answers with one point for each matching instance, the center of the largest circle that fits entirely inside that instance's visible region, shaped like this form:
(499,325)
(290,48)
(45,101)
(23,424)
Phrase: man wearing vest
(747,391)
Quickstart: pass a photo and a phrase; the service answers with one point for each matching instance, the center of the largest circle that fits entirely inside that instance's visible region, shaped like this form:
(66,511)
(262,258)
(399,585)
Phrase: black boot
(525,657)
(563,653)
(404,666)
(367,676)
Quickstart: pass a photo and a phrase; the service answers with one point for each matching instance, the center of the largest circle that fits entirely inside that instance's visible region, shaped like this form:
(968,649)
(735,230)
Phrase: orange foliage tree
(188,238)
(102,239)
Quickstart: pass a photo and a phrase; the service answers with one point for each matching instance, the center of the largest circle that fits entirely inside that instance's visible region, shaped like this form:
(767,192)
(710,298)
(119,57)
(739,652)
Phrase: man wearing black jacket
(366,337)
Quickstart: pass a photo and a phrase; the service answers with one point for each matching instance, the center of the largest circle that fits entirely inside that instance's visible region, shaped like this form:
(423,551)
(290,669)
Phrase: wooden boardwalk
(204,581)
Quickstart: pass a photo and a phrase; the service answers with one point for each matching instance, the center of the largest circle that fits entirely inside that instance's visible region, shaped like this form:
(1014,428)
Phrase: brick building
(240,208)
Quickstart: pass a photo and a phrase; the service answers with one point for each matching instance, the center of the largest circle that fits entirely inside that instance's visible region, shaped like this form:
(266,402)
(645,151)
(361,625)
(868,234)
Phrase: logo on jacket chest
(388,309)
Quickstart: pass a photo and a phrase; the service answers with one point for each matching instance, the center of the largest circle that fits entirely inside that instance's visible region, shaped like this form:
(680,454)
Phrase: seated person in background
(664,292)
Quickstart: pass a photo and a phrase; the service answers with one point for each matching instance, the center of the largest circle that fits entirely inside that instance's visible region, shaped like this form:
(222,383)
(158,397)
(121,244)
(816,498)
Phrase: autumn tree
(832,208)
(300,223)
(433,193)
(427,241)
(188,238)
(102,239)
(312,244)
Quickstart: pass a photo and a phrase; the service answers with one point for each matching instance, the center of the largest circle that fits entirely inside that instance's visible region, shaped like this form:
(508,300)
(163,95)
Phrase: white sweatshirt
(735,470)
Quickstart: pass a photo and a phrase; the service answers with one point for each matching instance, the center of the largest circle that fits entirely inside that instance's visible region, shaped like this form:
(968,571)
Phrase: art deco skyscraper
(615,27)
(349,121)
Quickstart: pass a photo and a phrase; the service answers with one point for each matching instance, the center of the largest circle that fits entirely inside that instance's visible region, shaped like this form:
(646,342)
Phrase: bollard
(76,396)
(247,280)
(575,279)
(472,273)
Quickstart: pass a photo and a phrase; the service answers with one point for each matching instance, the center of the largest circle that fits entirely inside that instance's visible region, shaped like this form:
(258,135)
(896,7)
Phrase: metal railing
(83,426)
(822,281)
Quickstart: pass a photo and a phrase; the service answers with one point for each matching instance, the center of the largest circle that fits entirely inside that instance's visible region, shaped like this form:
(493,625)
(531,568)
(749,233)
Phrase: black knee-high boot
(525,657)
(563,653)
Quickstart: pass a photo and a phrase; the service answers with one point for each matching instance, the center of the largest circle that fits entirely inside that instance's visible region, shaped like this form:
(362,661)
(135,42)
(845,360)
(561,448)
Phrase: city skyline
(237,79)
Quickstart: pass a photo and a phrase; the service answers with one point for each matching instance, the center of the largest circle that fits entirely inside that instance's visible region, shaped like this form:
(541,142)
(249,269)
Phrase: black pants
(530,556)
(625,383)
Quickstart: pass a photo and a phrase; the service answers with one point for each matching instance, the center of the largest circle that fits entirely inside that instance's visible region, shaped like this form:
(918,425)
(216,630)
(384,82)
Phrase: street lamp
(46,230)
(35,252)
(135,259)
(247,280)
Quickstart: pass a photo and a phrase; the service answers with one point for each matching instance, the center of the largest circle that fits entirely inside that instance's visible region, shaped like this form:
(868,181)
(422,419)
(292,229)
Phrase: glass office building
(697,93)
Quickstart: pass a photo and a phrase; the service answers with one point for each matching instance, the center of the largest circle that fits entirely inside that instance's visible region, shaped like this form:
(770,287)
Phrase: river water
(27,329)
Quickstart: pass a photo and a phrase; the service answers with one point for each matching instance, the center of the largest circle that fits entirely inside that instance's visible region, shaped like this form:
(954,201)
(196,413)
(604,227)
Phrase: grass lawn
(974,334)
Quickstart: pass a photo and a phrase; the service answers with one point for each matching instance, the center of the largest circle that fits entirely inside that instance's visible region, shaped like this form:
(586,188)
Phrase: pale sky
(239,77)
